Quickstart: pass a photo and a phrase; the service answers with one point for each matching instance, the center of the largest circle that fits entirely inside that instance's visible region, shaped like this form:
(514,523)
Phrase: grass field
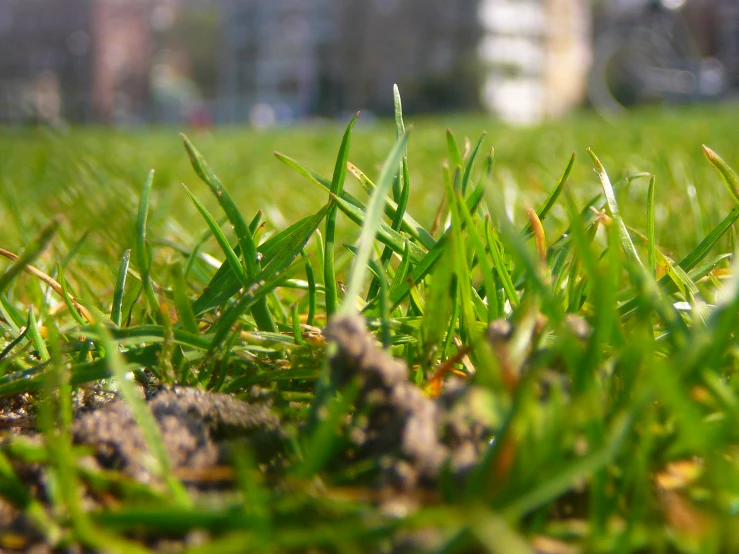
(569,336)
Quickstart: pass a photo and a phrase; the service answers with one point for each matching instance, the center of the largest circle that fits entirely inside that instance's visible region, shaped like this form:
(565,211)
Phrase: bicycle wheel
(623,70)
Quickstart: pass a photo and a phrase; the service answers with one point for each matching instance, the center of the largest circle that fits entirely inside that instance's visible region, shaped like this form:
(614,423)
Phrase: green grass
(587,427)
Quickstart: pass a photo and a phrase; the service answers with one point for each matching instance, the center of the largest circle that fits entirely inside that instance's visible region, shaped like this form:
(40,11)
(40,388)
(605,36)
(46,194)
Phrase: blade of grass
(493,310)
(225,284)
(261,313)
(375,268)
(499,265)
(371,225)
(68,298)
(262,286)
(307,173)
(455,156)
(612,203)
(284,251)
(120,285)
(728,175)
(402,179)
(650,230)
(15,342)
(32,380)
(692,259)
(185,313)
(400,185)
(142,250)
(427,263)
(231,256)
(488,371)
(402,273)
(337,185)
(409,224)
(439,300)
(384,313)
(35,334)
(470,163)
(137,333)
(386,234)
(543,211)
(495,533)
(37,247)
(311,279)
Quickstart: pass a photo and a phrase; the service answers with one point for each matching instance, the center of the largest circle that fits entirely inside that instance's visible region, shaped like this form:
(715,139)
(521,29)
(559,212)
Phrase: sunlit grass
(611,398)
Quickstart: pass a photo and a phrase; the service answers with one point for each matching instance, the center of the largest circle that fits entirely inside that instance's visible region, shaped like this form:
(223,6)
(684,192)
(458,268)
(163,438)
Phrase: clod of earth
(195,427)
(192,424)
(415,436)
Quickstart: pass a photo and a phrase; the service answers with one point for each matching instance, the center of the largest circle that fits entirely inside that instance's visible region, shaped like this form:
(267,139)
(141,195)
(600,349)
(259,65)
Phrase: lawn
(521,354)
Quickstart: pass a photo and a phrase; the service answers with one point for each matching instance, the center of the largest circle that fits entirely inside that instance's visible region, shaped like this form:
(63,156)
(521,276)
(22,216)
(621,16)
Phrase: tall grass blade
(35,334)
(409,224)
(231,256)
(470,163)
(496,252)
(135,334)
(371,225)
(651,246)
(261,313)
(610,195)
(402,273)
(263,285)
(401,191)
(337,185)
(120,285)
(309,174)
(142,249)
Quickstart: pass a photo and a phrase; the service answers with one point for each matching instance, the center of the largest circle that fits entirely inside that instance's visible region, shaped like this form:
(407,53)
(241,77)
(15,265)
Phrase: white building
(536,55)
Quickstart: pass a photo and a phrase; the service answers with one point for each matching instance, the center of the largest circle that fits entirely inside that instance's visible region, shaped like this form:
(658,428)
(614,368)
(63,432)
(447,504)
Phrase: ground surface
(556,379)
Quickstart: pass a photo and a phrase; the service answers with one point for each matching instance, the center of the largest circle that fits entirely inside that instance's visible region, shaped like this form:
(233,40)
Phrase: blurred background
(271,62)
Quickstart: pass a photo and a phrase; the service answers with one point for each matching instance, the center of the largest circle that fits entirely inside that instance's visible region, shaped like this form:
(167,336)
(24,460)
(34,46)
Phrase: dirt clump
(197,429)
(192,423)
(414,437)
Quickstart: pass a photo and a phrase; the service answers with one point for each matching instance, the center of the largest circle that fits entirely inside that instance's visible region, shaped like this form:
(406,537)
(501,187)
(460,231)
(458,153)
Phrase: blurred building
(268,61)
(536,55)
(279,60)
(45,56)
(122,50)
(427,47)
(272,58)
(726,38)
(80,60)
(289,58)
